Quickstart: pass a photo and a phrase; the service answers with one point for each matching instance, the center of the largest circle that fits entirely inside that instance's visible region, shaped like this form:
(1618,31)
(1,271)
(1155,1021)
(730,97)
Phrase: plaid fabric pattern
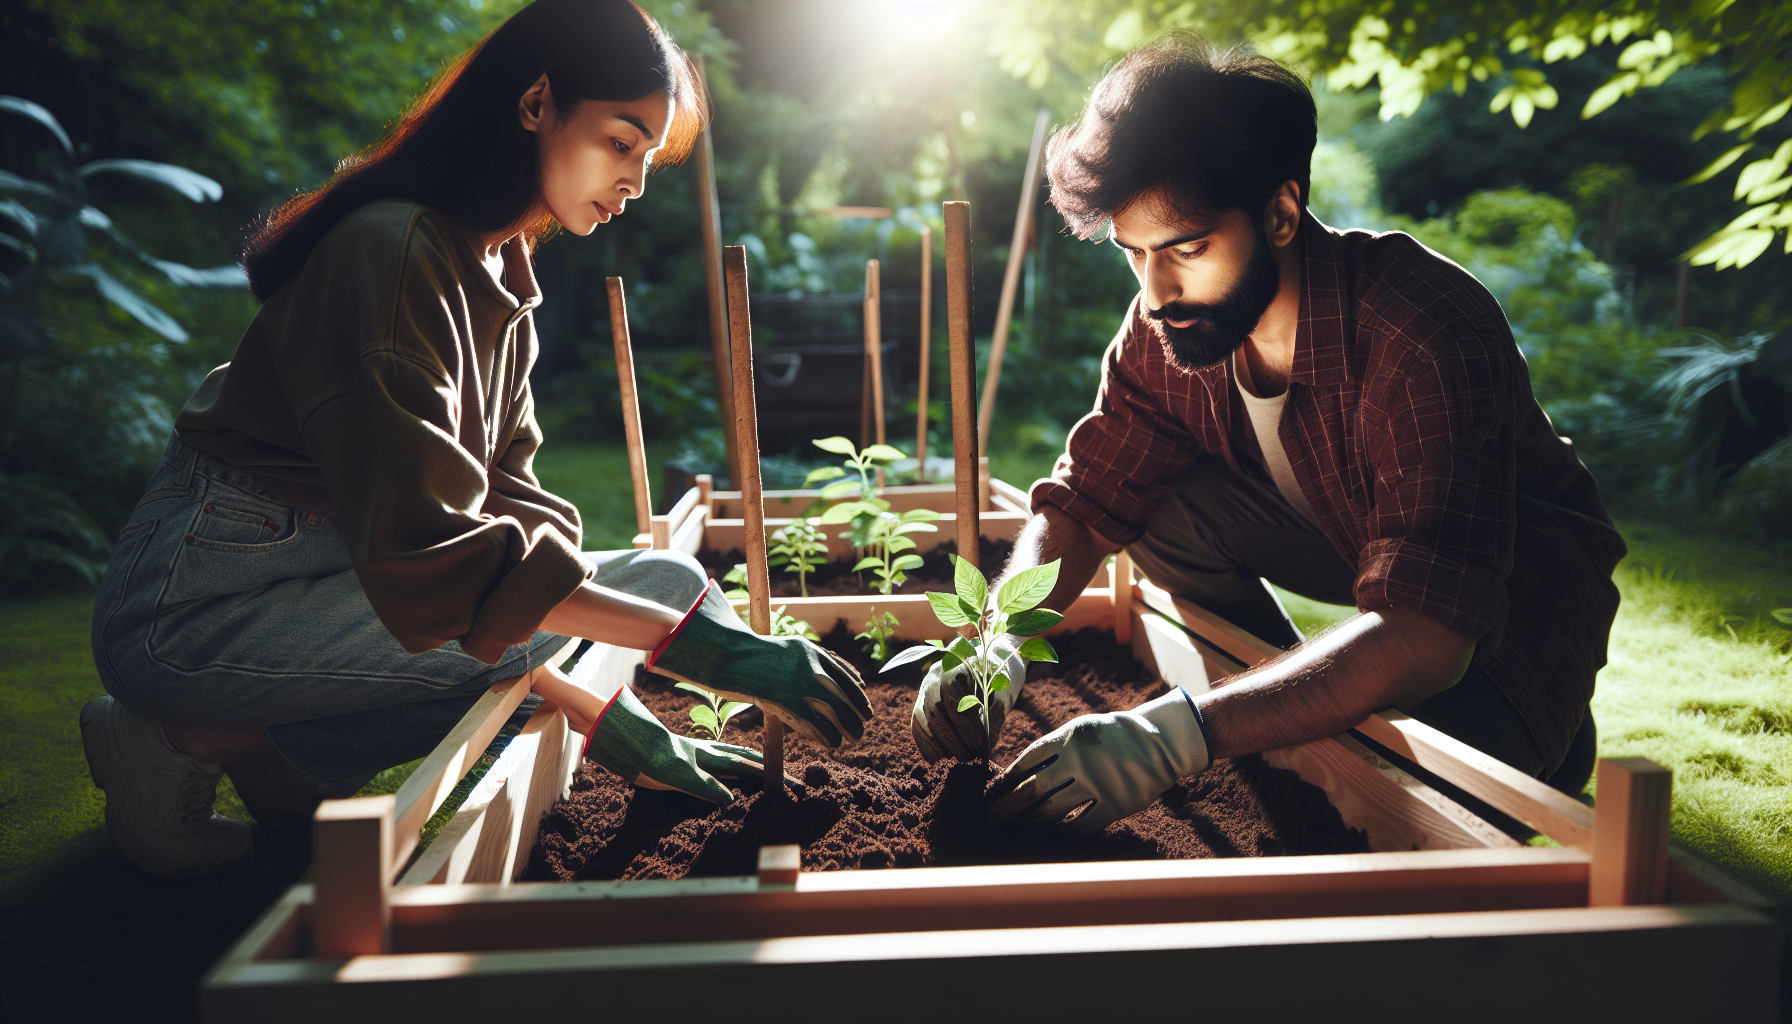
(1412,430)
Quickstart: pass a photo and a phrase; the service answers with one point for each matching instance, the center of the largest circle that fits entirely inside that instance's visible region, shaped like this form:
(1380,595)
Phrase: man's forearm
(1053,534)
(1392,657)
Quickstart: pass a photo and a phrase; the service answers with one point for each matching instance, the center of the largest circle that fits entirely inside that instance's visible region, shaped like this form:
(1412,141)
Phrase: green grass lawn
(1700,679)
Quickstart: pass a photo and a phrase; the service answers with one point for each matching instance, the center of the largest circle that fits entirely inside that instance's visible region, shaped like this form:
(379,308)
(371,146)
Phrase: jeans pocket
(233,521)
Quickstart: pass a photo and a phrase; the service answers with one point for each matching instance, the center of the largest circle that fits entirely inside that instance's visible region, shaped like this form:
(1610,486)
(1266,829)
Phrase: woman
(344,545)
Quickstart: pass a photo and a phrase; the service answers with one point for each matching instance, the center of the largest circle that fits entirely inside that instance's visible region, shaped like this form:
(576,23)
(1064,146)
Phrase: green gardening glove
(815,693)
(629,741)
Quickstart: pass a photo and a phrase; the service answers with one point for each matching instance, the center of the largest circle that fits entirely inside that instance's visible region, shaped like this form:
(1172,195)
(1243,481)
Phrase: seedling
(879,628)
(738,577)
(1011,627)
(790,625)
(799,548)
(882,535)
(713,714)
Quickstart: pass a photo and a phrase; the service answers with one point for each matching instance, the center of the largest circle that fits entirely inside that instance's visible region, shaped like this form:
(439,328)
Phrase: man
(1343,414)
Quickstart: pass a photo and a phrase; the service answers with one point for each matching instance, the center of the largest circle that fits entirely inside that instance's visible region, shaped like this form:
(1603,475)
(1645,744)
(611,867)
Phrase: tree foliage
(1412,48)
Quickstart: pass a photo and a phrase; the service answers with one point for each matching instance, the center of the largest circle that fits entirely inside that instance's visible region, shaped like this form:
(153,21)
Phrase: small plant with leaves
(998,633)
(879,628)
(790,625)
(712,714)
(799,548)
(882,536)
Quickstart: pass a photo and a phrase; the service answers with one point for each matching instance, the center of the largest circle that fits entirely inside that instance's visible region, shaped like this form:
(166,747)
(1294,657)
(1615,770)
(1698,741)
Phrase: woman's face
(595,158)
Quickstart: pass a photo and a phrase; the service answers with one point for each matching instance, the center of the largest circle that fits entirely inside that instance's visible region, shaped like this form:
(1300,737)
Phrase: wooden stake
(710,212)
(1122,582)
(752,498)
(926,353)
(1630,833)
(631,404)
(1017,249)
(874,344)
(963,361)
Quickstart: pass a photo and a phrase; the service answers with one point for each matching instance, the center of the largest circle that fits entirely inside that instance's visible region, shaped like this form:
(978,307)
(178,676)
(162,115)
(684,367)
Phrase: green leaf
(1033,621)
(867,562)
(950,662)
(738,574)
(1038,649)
(1027,588)
(882,453)
(946,608)
(838,445)
(699,692)
(705,717)
(898,544)
(731,708)
(920,515)
(824,473)
(941,644)
(972,588)
(839,490)
(1783,615)
(907,562)
(846,512)
(908,528)
(967,702)
(911,656)
(999,683)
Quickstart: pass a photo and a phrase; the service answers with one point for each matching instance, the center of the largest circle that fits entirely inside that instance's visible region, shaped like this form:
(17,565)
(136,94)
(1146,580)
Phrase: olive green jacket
(387,385)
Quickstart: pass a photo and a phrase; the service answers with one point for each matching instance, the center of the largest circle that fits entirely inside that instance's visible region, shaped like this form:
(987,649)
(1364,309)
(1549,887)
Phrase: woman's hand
(816,693)
(630,742)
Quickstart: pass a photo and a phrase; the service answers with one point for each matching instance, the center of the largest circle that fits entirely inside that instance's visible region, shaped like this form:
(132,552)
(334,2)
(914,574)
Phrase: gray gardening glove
(1119,763)
(941,730)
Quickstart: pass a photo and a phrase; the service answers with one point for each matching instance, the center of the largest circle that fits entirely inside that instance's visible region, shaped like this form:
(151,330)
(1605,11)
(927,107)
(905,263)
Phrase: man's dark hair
(1211,130)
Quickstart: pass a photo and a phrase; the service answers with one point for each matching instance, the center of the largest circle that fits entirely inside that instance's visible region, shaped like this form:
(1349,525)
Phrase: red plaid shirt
(1411,428)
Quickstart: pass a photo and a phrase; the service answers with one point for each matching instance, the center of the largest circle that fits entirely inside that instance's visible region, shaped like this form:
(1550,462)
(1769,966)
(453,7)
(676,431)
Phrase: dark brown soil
(836,578)
(877,804)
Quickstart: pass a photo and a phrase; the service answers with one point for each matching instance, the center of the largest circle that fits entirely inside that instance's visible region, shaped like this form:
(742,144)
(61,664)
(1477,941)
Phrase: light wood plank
(689,538)
(1219,639)
(665,527)
(1395,809)
(1170,652)
(631,403)
(1556,815)
(1630,833)
(1120,581)
(449,762)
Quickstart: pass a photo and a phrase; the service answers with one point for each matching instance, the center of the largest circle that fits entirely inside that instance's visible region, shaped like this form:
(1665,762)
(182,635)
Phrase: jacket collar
(1327,319)
(519,274)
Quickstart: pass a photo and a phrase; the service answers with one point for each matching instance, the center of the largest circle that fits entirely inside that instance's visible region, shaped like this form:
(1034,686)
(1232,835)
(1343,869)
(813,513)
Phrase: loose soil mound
(877,804)
(836,578)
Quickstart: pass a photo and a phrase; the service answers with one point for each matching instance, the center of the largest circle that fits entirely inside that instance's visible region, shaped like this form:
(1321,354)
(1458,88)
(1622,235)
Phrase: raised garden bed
(877,804)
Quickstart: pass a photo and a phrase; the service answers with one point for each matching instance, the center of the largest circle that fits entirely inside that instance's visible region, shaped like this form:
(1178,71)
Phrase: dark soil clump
(877,804)
(835,579)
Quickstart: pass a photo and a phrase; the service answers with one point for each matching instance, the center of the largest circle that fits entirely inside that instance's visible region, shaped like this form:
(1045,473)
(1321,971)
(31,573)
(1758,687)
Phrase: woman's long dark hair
(461,150)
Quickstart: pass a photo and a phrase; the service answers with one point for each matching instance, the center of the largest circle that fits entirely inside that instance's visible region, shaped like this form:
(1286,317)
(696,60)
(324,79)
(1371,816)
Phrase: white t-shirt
(1266,417)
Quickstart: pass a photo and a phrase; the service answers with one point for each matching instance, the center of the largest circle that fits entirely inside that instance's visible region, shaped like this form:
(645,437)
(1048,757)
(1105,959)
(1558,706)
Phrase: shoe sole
(96,717)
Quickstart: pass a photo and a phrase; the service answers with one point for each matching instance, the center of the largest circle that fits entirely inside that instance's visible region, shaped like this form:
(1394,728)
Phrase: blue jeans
(224,607)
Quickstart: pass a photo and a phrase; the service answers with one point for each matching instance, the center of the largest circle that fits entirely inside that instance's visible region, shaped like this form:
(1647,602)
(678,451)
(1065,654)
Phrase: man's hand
(1117,764)
(629,741)
(941,730)
(815,693)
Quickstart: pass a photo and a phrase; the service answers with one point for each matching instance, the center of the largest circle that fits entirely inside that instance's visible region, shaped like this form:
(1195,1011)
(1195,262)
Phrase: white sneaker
(158,800)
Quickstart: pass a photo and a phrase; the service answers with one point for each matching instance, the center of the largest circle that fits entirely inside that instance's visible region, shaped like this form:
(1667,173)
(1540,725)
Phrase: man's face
(1206,280)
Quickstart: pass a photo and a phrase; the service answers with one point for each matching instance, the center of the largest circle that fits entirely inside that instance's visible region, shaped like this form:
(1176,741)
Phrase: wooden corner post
(926,353)
(631,404)
(710,211)
(963,359)
(1630,833)
(752,498)
(351,868)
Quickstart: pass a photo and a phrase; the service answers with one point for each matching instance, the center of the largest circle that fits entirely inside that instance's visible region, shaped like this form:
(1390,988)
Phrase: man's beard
(1219,328)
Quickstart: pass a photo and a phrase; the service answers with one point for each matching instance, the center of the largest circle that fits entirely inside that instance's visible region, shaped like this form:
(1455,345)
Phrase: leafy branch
(883,536)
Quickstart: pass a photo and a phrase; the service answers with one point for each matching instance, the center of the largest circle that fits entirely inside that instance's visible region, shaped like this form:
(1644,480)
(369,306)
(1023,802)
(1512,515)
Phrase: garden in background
(1625,247)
